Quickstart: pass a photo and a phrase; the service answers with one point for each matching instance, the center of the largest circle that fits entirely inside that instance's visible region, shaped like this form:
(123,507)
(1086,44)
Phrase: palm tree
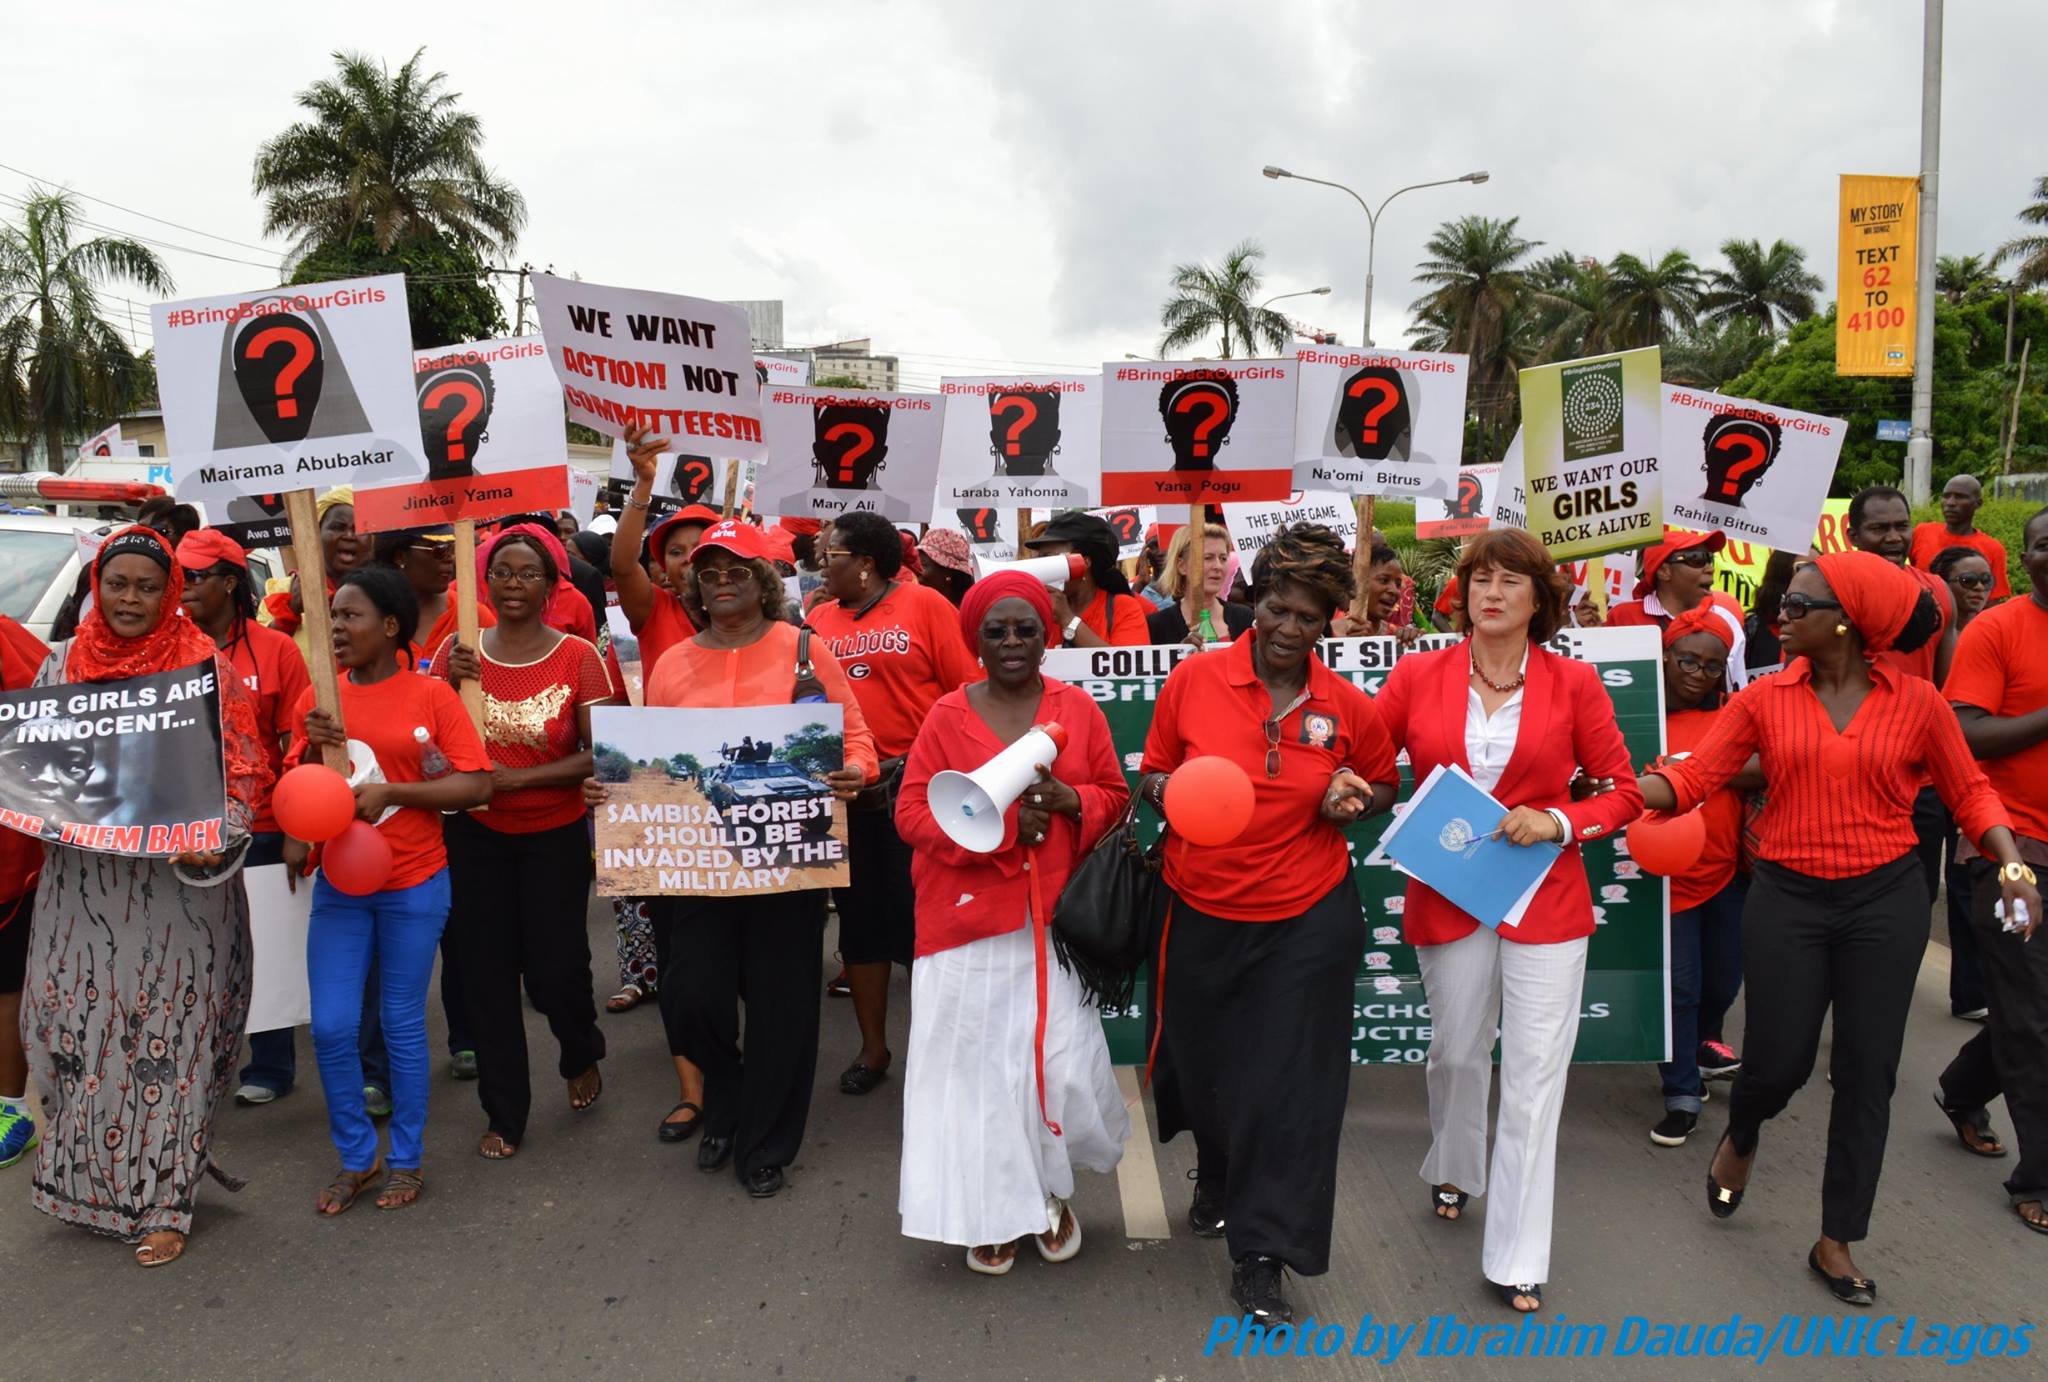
(1648,299)
(1570,308)
(1771,287)
(1476,304)
(1712,353)
(1964,277)
(2030,250)
(63,367)
(388,153)
(1207,299)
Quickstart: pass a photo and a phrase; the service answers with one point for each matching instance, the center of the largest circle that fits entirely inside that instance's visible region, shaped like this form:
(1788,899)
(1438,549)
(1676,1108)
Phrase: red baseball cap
(1675,540)
(743,540)
(694,513)
(205,547)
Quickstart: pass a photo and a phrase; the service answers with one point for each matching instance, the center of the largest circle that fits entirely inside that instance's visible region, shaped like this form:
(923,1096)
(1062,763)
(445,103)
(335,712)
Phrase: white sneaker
(250,1094)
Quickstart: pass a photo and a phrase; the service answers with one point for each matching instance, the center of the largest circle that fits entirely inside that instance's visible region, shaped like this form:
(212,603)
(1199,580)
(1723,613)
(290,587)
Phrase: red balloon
(1667,845)
(313,803)
(358,860)
(1208,801)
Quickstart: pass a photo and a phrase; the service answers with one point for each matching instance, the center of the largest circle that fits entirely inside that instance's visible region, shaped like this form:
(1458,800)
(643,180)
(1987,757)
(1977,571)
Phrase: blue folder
(1445,838)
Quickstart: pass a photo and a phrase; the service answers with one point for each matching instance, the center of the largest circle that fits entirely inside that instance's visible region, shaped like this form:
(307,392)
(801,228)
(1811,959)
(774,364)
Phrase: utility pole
(520,300)
(2013,429)
(1920,442)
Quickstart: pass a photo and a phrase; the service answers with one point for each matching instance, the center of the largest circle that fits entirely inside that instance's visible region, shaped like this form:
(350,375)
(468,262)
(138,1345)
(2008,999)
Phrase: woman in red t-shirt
(652,611)
(521,870)
(397,720)
(899,644)
(1262,937)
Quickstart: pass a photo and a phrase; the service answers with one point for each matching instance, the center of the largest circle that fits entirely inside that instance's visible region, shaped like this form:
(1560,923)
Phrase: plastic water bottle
(433,763)
(1209,634)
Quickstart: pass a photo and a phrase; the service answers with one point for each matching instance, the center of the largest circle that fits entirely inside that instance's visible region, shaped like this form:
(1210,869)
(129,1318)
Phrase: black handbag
(1102,924)
(880,795)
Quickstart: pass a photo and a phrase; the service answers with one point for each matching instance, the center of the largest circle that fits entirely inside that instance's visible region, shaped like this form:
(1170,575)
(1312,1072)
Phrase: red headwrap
(1004,585)
(99,654)
(911,561)
(801,527)
(1699,619)
(1877,597)
(203,548)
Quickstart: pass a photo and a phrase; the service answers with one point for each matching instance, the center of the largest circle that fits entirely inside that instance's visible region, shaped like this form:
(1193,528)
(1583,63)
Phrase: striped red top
(1841,804)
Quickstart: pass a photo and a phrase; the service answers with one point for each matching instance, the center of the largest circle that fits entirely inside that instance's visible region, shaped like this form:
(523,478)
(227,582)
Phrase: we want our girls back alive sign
(1624,1015)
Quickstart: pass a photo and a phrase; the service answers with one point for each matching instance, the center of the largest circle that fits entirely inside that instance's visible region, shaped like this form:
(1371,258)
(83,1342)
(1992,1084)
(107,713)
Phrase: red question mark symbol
(1468,495)
(699,472)
(863,442)
(1124,523)
(1217,410)
(1027,413)
(301,346)
(469,401)
(1369,425)
(984,524)
(1728,441)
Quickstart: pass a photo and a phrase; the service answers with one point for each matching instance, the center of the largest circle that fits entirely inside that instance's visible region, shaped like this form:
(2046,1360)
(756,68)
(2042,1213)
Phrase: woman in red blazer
(1523,722)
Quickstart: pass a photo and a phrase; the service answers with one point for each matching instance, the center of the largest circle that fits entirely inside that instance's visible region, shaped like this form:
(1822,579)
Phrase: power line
(125,233)
(47,182)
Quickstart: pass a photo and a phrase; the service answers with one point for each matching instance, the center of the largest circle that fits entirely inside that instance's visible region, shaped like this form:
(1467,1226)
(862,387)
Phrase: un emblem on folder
(1458,837)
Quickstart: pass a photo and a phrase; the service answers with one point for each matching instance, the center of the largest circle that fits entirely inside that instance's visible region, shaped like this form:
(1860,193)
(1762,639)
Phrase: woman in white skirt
(1008,1086)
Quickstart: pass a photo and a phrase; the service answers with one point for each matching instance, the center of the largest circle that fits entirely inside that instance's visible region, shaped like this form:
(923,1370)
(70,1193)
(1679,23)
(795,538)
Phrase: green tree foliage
(388,153)
(685,767)
(1964,277)
(814,750)
(64,369)
(2028,253)
(1972,393)
(448,292)
(1771,288)
(612,765)
(1222,298)
(837,381)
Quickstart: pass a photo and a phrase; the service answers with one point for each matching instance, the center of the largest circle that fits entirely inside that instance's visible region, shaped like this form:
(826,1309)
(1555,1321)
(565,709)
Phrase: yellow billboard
(1875,275)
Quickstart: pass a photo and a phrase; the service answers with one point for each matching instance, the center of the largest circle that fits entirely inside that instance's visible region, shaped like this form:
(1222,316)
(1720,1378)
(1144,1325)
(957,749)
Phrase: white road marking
(1137,1175)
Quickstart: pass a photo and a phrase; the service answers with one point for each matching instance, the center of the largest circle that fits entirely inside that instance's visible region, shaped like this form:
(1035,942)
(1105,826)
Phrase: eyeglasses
(1695,556)
(1692,666)
(1272,728)
(1798,606)
(529,576)
(715,576)
(831,552)
(1024,630)
(1982,582)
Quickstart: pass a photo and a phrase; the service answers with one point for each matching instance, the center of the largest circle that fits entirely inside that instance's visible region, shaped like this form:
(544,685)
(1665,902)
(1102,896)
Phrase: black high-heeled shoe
(1721,1201)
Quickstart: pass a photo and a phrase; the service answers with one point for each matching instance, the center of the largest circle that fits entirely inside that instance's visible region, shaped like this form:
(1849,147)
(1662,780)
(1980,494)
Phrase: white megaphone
(969,807)
(1055,572)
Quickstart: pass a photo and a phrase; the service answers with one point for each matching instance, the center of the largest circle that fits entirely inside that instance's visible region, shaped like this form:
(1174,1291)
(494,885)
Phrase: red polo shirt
(1288,856)
(2001,667)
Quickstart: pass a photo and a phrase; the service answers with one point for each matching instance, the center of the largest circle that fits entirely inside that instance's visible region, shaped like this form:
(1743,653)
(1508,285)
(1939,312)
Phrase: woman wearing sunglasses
(1262,936)
(1970,579)
(1837,916)
(1523,722)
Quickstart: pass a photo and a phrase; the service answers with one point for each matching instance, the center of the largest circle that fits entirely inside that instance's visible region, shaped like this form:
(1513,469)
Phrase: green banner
(1591,433)
(1623,1015)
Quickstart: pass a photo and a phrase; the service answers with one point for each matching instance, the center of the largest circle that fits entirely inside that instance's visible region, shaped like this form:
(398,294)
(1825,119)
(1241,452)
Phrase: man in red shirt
(1961,497)
(1999,687)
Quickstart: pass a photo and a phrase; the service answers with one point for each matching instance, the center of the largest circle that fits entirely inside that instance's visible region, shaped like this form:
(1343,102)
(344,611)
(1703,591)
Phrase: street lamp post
(1372,219)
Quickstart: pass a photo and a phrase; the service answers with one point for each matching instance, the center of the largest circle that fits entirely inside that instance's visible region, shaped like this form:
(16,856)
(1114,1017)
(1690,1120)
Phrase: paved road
(600,1251)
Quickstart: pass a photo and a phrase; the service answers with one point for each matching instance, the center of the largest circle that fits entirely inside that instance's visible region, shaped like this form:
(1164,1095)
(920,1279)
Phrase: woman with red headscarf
(139,968)
(1008,1086)
(1838,909)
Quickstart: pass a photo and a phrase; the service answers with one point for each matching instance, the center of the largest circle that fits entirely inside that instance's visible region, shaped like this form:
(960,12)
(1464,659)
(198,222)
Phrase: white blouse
(1490,741)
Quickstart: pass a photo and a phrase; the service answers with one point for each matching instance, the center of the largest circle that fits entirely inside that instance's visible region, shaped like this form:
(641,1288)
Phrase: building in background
(855,360)
(764,322)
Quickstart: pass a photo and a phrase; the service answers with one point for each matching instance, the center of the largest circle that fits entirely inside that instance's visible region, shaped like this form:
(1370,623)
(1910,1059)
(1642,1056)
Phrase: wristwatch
(1071,626)
(2016,873)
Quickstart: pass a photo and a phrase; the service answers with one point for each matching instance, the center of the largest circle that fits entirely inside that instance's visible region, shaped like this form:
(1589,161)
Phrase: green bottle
(1209,634)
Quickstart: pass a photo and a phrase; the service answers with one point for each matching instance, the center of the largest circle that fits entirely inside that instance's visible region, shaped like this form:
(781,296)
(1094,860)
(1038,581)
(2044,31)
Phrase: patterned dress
(137,991)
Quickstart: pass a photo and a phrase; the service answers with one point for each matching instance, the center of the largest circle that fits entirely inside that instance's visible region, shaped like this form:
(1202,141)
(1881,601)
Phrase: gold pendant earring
(1841,630)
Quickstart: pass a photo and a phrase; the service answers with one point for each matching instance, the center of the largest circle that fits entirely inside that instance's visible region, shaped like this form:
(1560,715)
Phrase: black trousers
(2010,1056)
(766,950)
(1808,944)
(518,911)
(1255,1060)
(878,908)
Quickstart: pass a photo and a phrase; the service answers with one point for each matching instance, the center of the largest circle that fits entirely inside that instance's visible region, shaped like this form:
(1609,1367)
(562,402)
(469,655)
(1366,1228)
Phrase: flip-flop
(598,1089)
(157,1257)
(2038,1225)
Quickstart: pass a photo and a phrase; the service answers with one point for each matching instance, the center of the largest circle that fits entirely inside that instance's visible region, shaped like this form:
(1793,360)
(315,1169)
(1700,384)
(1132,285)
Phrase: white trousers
(1532,993)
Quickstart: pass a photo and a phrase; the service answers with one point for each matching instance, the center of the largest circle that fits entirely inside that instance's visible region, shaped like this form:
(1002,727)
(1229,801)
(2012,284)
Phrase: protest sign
(782,369)
(108,444)
(289,388)
(1380,421)
(1739,566)
(124,767)
(1129,524)
(991,532)
(631,358)
(1510,500)
(491,418)
(1021,441)
(1624,1015)
(729,802)
(1754,471)
(1252,525)
(1218,432)
(1468,511)
(256,520)
(679,479)
(280,991)
(830,451)
(1877,270)
(583,488)
(1591,433)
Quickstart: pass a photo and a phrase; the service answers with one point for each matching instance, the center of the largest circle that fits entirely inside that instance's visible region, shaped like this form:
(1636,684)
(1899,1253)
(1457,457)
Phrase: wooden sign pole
(466,621)
(312,569)
(1023,531)
(732,487)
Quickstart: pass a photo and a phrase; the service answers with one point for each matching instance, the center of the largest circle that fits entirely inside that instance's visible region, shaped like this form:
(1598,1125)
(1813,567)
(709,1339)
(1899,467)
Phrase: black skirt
(1255,1060)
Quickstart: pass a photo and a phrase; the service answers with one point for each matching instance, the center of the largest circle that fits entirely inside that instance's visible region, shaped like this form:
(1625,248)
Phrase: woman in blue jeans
(431,761)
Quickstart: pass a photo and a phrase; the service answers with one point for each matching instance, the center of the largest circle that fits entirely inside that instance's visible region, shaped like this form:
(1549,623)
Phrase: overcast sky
(973,184)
